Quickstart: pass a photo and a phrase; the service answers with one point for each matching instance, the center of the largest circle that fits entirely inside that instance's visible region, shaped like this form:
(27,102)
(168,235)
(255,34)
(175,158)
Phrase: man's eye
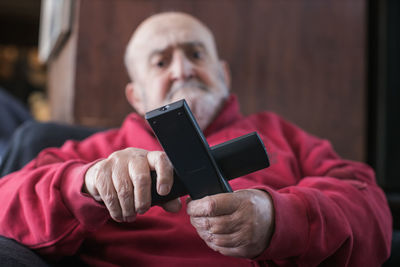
(160,64)
(196,55)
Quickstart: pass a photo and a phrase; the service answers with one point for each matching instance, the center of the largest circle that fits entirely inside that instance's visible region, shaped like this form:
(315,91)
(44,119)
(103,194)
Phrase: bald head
(172,56)
(159,31)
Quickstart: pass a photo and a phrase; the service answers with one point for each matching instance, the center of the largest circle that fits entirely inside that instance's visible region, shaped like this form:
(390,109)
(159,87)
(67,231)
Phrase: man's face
(174,59)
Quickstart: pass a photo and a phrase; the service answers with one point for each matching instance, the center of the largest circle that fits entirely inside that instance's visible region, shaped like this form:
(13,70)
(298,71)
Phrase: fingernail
(130,218)
(118,219)
(164,189)
(141,211)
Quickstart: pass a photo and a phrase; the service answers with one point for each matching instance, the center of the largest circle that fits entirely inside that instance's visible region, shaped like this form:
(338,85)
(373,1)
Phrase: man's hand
(122,181)
(238,224)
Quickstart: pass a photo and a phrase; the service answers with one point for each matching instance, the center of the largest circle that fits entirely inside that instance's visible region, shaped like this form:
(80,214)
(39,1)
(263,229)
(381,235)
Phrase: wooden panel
(61,78)
(303,59)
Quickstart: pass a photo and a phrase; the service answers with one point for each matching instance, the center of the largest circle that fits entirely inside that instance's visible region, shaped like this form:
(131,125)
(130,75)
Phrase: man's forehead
(181,45)
(164,41)
(173,31)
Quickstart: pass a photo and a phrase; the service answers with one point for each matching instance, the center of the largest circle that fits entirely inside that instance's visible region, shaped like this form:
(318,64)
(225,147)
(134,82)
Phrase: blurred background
(332,66)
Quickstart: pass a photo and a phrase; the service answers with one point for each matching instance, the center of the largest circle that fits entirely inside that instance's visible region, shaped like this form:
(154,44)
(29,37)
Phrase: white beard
(204,103)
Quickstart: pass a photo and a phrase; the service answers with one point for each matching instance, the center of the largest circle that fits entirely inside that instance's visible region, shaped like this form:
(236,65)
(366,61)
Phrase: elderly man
(92,198)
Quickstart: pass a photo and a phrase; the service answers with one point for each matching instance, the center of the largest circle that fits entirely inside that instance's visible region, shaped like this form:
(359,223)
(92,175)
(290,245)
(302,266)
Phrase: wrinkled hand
(122,181)
(238,224)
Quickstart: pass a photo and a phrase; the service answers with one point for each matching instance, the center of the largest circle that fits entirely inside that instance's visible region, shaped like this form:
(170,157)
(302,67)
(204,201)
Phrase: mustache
(179,85)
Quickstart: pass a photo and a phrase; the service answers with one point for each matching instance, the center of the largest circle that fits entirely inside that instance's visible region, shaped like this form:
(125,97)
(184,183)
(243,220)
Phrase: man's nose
(181,67)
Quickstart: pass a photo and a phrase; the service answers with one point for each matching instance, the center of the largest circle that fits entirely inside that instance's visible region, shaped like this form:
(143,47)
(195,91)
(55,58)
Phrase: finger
(225,224)
(109,196)
(139,173)
(174,205)
(223,240)
(90,181)
(159,161)
(215,205)
(124,189)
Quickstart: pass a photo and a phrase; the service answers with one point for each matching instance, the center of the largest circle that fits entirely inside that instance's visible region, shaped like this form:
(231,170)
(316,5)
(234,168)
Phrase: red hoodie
(327,210)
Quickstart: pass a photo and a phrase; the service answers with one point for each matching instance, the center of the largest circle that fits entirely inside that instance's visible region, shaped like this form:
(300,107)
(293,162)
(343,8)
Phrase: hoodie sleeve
(334,214)
(43,206)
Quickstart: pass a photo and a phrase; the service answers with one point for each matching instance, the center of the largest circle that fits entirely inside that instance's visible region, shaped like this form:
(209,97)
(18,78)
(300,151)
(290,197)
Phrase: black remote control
(235,158)
(186,147)
(199,170)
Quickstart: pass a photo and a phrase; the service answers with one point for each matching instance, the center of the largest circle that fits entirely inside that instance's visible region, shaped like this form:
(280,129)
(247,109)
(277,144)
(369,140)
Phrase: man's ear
(226,72)
(134,98)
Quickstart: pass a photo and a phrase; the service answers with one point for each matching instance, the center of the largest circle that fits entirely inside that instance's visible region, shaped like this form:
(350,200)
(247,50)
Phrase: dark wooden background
(304,59)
